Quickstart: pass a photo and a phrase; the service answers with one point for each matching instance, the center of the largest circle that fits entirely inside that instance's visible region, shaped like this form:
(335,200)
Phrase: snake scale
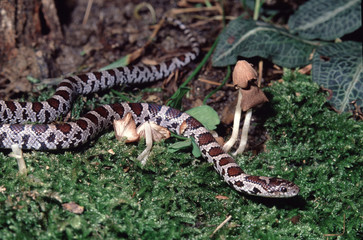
(45,135)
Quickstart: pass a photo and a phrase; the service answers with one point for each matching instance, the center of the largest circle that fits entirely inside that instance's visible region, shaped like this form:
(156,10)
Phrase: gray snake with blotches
(44,136)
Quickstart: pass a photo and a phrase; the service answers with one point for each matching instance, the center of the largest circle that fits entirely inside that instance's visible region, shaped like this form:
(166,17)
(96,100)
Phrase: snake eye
(283,189)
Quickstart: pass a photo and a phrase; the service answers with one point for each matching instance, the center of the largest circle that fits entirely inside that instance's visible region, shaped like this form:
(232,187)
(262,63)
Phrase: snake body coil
(45,136)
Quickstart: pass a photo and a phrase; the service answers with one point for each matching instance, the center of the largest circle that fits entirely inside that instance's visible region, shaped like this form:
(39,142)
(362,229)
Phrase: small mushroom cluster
(249,96)
(125,129)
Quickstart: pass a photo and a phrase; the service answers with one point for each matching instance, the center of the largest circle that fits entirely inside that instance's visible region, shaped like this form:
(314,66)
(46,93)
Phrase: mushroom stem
(244,136)
(18,154)
(149,143)
(237,117)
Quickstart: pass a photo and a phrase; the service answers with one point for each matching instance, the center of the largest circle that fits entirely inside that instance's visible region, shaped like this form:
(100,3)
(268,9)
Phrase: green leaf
(175,147)
(179,145)
(248,38)
(206,116)
(196,150)
(339,67)
(122,62)
(326,20)
(33,79)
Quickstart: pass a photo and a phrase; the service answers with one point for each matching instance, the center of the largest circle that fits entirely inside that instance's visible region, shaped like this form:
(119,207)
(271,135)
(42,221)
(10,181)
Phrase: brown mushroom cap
(126,129)
(243,73)
(158,132)
(252,97)
(243,76)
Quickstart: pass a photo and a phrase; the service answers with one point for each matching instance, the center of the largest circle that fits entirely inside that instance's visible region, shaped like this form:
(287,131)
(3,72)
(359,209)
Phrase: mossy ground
(175,196)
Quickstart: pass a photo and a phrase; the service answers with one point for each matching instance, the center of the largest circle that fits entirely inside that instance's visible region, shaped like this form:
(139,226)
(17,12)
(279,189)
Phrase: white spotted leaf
(249,38)
(339,68)
(326,20)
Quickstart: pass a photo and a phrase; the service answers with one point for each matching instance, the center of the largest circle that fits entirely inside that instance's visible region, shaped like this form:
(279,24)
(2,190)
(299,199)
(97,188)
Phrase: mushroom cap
(243,73)
(125,128)
(158,132)
(252,97)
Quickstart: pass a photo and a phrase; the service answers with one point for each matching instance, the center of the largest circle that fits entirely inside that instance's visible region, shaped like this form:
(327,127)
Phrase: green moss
(174,195)
(327,147)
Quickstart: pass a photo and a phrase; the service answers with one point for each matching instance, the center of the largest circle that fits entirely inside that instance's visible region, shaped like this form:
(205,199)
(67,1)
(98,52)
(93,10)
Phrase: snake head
(271,187)
(281,188)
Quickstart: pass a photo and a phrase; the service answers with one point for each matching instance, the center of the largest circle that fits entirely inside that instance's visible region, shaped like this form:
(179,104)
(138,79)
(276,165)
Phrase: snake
(32,126)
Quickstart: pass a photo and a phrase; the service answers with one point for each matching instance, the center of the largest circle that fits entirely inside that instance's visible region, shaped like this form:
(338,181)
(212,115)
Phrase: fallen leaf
(73,207)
